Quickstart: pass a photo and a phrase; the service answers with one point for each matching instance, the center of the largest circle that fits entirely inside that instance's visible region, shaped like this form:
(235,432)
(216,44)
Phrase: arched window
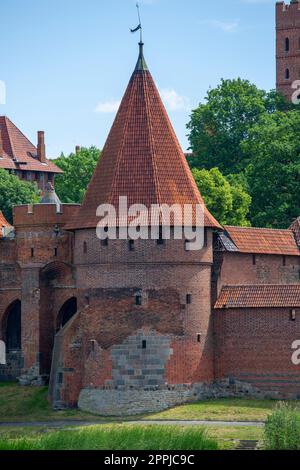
(12,326)
(287,74)
(287,44)
(66,312)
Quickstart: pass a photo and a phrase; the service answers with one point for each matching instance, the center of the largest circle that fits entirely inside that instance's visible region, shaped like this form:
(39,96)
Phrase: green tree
(14,191)
(274,172)
(220,126)
(224,197)
(78,169)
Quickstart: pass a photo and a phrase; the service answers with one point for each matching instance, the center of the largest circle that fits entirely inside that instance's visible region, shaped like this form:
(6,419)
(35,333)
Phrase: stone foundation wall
(13,367)
(132,402)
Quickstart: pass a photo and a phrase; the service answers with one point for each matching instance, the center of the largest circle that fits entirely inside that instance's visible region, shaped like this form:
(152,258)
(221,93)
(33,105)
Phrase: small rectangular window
(144,344)
(32,252)
(198,338)
(55,252)
(287,44)
(293,315)
(138,300)
(189,299)
(160,240)
(131,245)
(205,237)
(254,260)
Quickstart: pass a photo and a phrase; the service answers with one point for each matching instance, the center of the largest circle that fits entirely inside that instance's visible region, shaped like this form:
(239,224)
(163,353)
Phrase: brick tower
(142,338)
(287,46)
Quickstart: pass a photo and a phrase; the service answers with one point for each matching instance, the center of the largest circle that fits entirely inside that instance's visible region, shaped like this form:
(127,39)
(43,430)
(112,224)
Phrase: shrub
(282,429)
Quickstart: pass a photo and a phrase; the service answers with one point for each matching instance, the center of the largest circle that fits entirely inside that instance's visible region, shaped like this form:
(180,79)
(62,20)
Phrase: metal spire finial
(139,27)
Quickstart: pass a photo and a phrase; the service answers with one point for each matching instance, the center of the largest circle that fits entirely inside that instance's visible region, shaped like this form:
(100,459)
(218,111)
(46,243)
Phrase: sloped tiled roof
(17,146)
(142,158)
(3,224)
(262,240)
(259,296)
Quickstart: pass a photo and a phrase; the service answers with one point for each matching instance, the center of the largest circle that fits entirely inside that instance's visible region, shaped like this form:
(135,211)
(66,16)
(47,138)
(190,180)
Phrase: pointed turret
(142,158)
(50,196)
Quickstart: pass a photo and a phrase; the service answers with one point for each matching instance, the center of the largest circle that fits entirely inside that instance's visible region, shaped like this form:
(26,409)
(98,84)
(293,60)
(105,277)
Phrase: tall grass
(282,429)
(116,437)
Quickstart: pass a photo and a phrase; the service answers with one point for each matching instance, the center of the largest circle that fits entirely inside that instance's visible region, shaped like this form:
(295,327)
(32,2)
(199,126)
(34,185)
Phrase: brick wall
(255,346)
(105,332)
(238,268)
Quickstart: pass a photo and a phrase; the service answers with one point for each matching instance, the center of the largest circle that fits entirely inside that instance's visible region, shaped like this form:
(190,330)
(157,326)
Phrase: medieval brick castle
(123,326)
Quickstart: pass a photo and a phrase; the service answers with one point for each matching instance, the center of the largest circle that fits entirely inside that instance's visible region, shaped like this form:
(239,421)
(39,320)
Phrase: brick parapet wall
(238,269)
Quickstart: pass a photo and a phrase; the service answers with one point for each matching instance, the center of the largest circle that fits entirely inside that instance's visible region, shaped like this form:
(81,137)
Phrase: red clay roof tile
(142,158)
(3,224)
(263,240)
(259,296)
(17,146)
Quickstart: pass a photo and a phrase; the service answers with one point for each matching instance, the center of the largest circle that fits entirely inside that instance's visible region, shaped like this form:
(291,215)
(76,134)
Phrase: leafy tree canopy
(78,170)
(219,127)
(14,191)
(274,172)
(225,198)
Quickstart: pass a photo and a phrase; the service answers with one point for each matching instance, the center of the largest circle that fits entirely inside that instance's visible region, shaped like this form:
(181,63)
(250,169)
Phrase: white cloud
(108,107)
(174,101)
(225,26)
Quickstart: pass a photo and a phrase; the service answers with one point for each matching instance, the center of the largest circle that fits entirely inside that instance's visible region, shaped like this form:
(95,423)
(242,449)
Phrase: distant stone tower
(287,46)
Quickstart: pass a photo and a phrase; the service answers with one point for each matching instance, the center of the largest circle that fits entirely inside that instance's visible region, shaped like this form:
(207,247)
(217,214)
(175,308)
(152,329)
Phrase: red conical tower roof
(142,158)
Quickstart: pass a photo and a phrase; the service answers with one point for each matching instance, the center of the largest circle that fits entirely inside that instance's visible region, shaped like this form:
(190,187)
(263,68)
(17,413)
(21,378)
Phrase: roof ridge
(259,228)
(239,286)
(118,159)
(9,137)
(153,153)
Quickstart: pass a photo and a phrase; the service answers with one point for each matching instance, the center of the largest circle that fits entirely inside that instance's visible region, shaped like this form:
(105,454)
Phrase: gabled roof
(3,224)
(262,241)
(19,153)
(142,158)
(256,296)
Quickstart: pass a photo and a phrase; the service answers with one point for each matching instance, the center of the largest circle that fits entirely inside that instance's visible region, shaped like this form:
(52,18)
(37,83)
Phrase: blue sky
(66,63)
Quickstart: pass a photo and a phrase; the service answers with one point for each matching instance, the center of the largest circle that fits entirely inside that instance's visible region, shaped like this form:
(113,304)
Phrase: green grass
(115,437)
(30,404)
(227,409)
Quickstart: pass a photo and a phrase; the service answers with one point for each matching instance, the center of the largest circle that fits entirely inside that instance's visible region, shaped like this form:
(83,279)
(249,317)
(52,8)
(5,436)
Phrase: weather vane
(139,27)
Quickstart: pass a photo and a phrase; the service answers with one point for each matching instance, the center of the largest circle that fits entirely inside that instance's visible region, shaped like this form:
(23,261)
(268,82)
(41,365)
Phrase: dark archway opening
(66,312)
(12,327)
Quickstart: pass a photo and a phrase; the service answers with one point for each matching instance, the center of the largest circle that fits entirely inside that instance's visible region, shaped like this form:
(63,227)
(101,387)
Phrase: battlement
(288,14)
(44,214)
